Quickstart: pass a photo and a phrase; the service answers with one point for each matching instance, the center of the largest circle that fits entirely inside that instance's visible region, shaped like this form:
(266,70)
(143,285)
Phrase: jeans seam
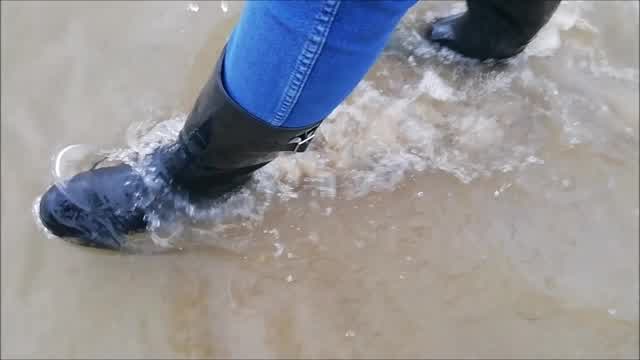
(306,60)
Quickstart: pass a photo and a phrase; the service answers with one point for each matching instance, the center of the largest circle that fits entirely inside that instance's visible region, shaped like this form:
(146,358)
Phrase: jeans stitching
(306,60)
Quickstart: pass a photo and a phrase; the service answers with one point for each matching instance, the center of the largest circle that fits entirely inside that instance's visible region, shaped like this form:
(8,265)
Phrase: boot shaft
(493,29)
(221,139)
(524,17)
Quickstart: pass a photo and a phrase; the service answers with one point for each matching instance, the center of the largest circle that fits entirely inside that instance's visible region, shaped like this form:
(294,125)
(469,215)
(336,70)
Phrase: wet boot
(218,149)
(492,29)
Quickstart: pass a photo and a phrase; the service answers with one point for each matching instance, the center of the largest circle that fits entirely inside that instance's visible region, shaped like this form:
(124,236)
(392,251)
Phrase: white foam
(193,7)
(432,84)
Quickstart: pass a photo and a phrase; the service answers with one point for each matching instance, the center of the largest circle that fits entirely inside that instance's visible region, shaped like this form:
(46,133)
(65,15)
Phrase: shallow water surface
(448,208)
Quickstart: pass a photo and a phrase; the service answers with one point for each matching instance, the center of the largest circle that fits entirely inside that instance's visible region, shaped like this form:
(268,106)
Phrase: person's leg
(291,63)
(492,29)
(286,67)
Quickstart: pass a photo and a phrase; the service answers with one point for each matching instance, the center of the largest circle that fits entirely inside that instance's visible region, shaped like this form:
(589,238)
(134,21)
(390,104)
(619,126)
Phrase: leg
(495,29)
(286,67)
(292,63)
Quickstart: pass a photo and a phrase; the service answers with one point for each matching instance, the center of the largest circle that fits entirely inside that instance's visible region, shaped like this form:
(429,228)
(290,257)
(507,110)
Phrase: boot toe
(50,206)
(63,218)
(440,31)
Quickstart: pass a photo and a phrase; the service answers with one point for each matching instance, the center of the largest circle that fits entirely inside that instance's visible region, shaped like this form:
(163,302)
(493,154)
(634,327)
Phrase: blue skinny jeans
(290,63)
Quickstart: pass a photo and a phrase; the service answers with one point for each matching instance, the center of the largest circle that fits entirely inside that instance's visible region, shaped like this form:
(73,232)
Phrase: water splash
(423,109)
(193,7)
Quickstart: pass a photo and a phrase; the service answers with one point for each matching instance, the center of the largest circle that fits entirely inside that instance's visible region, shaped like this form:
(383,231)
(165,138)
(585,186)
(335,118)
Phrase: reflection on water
(448,208)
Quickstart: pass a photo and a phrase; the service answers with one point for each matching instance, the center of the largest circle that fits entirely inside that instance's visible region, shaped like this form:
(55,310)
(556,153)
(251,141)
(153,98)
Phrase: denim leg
(291,63)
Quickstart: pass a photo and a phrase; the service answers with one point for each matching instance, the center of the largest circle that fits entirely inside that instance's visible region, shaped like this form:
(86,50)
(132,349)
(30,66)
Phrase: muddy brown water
(448,209)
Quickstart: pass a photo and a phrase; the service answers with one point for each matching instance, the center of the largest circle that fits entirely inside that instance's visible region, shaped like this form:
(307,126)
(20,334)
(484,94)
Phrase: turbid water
(448,208)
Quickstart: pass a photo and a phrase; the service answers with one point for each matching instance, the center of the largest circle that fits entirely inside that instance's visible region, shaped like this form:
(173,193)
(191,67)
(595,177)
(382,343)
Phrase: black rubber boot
(492,29)
(218,149)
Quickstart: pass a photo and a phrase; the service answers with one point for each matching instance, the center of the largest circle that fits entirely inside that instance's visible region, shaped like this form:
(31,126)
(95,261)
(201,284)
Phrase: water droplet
(193,7)
(290,255)
(350,333)
(279,249)
(612,311)
(496,193)
(274,232)
(290,278)
(224,6)
(566,183)
(420,194)
(328,211)
(534,160)
(402,276)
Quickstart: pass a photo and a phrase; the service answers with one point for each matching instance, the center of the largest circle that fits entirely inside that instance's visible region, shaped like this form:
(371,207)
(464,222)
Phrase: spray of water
(421,109)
